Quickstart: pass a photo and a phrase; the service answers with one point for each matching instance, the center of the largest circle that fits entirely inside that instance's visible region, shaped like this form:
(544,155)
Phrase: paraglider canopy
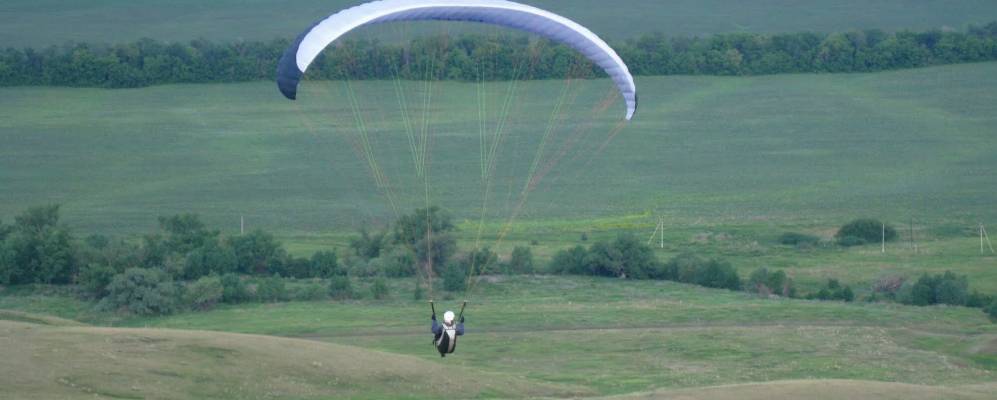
(309,44)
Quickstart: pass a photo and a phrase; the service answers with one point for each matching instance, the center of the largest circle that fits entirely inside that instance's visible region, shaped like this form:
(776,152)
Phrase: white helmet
(448,317)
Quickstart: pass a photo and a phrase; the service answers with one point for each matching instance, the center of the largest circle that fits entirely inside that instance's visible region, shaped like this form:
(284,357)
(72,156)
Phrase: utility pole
(661,221)
(884,238)
(984,235)
(242,225)
(661,236)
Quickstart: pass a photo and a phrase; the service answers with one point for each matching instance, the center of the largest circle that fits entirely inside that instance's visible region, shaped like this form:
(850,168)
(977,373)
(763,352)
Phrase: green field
(526,336)
(48,22)
(783,150)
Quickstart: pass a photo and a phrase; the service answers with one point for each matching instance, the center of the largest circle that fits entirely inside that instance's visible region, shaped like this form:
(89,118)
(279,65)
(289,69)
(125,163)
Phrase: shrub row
(150,62)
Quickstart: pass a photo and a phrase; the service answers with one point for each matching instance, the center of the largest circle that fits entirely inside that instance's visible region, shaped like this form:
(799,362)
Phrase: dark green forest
(470,57)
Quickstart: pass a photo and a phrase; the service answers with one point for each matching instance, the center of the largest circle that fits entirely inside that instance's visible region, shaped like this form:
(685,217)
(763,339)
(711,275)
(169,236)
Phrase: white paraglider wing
(309,44)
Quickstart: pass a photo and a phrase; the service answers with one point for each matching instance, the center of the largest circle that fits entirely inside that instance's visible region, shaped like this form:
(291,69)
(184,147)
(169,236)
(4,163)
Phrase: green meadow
(797,149)
(527,336)
(46,22)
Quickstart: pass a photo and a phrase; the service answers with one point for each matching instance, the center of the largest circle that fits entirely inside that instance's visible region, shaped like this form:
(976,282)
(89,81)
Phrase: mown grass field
(800,149)
(47,22)
(531,335)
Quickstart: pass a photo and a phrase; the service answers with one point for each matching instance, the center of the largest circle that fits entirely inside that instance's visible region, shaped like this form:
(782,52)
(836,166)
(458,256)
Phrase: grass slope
(824,390)
(44,362)
(48,22)
(618,337)
(798,149)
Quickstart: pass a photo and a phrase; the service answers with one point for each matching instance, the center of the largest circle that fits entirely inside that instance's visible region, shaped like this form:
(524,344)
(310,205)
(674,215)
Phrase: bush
(212,257)
(521,260)
(764,282)
(94,278)
(689,268)
(309,292)
(851,241)
(204,293)
(297,267)
(368,246)
(991,310)
(833,290)
(325,264)
(454,277)
(271,290)
(379,289)
(867,229)
(800,240)
(36,249)
(481,261)
(340,288)
(141,292)
(398,262)
(947,288)
(624,257)
(234,289)
(258,253)
(888,286)
(571,261)
(978,300)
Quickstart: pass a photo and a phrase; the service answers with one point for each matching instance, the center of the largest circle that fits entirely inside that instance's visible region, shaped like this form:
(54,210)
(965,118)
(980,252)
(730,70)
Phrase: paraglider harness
(446,341)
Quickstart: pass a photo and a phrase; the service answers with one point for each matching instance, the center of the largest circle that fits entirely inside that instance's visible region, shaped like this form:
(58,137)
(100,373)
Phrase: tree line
(474,57)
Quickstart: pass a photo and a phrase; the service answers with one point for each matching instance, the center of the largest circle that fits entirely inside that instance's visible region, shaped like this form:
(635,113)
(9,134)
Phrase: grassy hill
(45,361)
(48,22)
(797,149)
(823,390)
(612,337)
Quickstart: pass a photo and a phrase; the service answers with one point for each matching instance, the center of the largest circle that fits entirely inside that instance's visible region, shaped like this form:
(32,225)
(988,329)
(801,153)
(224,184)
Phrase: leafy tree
(212,257)
(258,253)
(185,232)
(94,279)
(368,245)
(521,260)
(325,264)
(436,251)
(571,261)
(947,288)
(414,228)
(141,292)
(37,249)
(481,261)
(455,277)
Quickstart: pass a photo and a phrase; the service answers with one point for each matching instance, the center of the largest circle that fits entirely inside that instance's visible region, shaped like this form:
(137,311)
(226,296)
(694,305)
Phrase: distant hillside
(48,22)
(782,148)
(46,362)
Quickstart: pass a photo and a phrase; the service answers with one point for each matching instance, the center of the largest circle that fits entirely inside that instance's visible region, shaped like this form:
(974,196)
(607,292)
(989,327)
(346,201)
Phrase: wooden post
(242,225)
(884,238)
